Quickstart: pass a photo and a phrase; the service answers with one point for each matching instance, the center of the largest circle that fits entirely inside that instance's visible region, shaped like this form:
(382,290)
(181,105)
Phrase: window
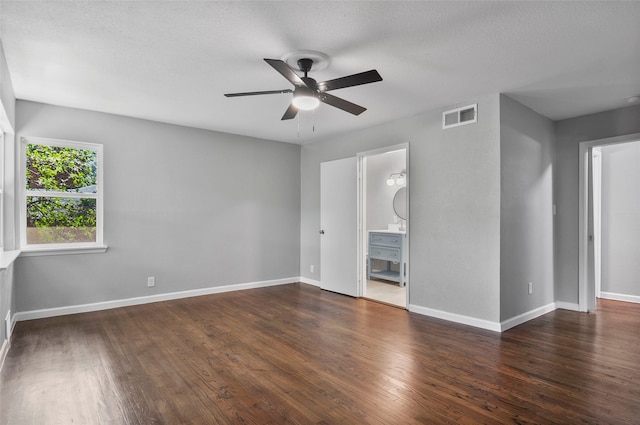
(62,202)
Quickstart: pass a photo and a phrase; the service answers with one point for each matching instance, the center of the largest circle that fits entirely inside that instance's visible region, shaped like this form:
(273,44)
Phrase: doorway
(607,263)
(383,237)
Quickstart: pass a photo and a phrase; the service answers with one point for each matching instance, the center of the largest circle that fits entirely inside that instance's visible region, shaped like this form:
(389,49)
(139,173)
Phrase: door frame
(362,239)
(586,267)
(596,191)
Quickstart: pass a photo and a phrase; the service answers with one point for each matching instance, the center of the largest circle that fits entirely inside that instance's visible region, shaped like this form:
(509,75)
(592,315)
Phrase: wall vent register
(460,116)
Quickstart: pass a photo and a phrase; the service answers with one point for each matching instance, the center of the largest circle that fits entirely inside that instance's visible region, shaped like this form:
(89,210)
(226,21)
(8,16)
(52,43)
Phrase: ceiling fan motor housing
(304,91)
(310,82)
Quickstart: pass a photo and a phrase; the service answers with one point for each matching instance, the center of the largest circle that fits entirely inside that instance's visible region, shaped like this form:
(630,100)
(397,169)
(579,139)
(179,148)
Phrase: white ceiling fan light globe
(306,103)
(400,181)
(390,181)
(305,98)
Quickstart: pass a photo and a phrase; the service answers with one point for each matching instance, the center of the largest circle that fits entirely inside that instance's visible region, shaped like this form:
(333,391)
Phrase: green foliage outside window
(62,170)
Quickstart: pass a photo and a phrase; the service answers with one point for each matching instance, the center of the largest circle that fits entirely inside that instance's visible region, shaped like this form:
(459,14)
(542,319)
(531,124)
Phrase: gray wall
(621,218)
(454,206)
(193,208)
(198,209)
(380,195)
(569,134)
(526,226)
(7,96)
(7,299)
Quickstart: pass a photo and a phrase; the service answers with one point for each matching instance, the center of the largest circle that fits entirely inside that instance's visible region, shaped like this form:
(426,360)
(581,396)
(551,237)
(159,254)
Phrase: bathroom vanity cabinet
(387,246)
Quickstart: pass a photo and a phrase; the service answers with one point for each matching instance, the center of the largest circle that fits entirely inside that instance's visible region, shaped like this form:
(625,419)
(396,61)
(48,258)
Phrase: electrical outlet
(530,287)
(151,282)
(312,268)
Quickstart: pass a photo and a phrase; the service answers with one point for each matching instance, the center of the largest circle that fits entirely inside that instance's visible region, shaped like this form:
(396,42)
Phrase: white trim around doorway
(361,215)
(586,286)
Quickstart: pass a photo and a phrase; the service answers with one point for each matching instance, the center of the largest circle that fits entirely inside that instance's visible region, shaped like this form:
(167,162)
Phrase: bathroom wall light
(397,178)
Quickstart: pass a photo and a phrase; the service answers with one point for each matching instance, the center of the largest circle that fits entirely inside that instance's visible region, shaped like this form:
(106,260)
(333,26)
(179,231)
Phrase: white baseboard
(8,325)
(457,318)
(568,306)
(4,350)
(309,281)
(525,317)
(620,297)
(105,305)
(481,323)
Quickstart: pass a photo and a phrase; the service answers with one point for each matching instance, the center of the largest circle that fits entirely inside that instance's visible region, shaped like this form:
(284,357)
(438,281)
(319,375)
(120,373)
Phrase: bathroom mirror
(400,203)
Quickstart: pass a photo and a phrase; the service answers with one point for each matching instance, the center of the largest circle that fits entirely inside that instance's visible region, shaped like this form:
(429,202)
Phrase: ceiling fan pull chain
(298,125)
(313,126)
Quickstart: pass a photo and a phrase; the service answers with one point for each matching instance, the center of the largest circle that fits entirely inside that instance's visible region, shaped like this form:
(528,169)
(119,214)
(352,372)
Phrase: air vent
(460,116)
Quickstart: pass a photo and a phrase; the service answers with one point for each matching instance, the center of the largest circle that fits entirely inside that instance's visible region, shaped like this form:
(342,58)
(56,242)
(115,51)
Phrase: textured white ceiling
(172,61)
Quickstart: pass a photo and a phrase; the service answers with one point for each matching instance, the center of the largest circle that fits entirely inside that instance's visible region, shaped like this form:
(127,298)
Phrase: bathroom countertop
(402,232)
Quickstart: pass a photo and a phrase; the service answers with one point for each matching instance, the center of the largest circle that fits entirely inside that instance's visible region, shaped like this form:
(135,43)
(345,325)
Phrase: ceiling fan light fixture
(308,93)
(306,103)
(305,99)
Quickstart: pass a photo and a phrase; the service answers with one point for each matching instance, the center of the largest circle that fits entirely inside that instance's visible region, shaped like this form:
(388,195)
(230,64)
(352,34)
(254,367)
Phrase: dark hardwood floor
(294,354)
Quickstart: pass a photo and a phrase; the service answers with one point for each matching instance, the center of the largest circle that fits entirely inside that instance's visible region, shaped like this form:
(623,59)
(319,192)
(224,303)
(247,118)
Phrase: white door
(339,226)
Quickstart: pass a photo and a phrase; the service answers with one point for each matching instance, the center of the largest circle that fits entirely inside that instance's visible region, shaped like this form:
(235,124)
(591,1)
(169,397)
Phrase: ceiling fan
(308,93)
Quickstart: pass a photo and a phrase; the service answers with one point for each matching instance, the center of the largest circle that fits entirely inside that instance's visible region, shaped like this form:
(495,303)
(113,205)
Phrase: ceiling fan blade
(255,93)
(290,113)
(351,80)
(339,103)
(286,71)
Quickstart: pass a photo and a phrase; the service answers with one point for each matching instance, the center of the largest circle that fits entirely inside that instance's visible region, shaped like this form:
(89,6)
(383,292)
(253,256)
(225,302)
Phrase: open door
(339,226)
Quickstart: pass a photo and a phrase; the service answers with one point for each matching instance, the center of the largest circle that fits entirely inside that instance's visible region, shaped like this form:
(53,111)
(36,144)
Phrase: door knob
(321,232)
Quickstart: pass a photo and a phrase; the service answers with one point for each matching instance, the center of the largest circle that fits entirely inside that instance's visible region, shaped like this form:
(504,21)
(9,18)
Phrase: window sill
(7,258)
(70,250)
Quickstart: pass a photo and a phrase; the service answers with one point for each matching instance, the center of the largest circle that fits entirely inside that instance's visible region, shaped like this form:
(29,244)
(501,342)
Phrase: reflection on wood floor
(294,354)
(387,292)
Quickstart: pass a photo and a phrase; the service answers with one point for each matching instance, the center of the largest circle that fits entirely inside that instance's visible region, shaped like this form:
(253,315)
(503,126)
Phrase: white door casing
(586,254)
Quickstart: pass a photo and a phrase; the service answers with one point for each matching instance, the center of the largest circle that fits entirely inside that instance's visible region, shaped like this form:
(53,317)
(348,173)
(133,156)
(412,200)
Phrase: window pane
(60,220)
(61,169)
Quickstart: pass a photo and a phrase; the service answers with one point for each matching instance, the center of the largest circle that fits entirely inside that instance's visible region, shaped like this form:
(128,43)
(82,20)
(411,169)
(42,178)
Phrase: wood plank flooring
(294,354)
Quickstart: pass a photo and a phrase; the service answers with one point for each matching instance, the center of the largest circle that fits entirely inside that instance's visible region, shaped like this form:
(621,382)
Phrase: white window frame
(61,248)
